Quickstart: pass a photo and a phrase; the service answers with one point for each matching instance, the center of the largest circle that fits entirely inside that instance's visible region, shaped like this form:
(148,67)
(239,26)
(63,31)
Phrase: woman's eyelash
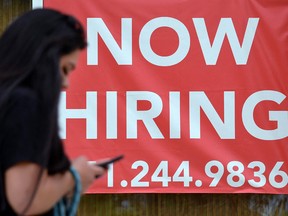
(65,70)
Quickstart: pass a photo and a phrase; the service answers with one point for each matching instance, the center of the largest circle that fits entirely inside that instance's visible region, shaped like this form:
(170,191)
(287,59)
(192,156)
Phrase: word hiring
(198,101)
(123,56)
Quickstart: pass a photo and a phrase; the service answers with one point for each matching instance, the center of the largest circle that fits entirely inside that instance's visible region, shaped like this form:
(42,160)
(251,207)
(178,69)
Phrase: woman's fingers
(87,171)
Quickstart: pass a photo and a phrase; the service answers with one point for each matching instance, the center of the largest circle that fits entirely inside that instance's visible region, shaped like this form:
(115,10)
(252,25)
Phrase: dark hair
(30,51)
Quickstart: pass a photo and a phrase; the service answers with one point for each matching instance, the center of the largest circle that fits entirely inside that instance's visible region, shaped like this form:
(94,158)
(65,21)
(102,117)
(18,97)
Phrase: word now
(198,101)
(123,56)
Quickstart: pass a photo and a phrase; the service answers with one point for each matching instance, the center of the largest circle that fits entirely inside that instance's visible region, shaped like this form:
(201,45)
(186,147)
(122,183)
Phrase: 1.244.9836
(214,169)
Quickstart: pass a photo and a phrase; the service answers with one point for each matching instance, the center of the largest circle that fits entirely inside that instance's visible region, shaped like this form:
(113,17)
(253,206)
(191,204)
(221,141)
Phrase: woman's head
(31,48)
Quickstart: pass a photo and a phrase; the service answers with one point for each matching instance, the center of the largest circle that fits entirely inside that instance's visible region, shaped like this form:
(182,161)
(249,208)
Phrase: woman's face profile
(68,63)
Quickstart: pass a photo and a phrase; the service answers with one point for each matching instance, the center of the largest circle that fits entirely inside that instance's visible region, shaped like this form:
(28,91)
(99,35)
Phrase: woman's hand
(87,171)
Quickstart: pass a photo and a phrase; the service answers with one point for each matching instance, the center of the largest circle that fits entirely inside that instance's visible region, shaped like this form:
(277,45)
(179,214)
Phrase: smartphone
(105,164)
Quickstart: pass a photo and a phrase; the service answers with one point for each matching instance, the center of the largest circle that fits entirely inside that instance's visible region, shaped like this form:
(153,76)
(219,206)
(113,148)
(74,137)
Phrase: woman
(37,53)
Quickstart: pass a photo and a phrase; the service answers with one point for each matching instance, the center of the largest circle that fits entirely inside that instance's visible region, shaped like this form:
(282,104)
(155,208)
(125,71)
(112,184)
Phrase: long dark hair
(30,51)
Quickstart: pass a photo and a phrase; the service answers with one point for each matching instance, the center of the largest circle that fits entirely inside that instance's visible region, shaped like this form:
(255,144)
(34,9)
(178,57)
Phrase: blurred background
(163,204)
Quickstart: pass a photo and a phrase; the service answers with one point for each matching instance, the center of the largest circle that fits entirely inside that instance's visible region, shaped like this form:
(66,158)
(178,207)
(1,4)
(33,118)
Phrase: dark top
(19,143)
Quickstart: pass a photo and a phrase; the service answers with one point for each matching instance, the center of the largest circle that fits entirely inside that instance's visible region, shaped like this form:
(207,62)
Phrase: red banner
(193,93)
